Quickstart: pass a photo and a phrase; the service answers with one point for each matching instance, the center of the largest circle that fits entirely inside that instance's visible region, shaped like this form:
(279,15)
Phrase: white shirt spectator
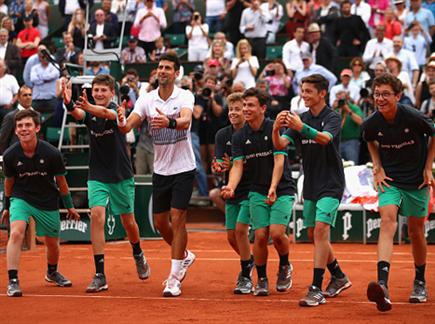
(71,6)
(376,51)
(363,10)
(173,153)
(313,69)
(99,31)
(214,8)
(407,85)
(275,14)
(258,19)
(361,81)
(291,54)
(418,46)
(409,62)
(3,50)
(8,88)
(4,9)
(352,90)
(423,16)
(244,72)
(297,105)
(198,39)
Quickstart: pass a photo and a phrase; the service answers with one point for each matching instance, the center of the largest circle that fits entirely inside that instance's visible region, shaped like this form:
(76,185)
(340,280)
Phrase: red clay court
(207,295)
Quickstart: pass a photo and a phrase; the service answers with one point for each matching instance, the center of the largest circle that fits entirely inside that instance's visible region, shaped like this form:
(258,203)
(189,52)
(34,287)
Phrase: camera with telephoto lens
(124,91)
(341,102)
(206,92)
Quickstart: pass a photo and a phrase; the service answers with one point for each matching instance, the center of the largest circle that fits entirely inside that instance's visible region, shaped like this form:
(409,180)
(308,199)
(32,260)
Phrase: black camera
(206,92)
(270,72)
(196,17)
(364,93)
(124,91)
(341,102)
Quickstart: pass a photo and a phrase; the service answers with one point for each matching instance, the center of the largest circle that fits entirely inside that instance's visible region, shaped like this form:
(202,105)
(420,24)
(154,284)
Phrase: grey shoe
(336,286)
(262,287)
(314,297)
(244,285)
(284,280)
(97,284)
(142,267)
(57,278)
(378,293)
(14,288)
(187,262)
(419,292)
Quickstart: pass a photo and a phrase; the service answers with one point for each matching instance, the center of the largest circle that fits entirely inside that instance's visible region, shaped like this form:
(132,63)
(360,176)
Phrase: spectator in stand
(253,25)
(103,34)
(428,106)
(9,89)
(275,12)
(27,12)
(378,12)
(362,9)
(151,20)
(183,12)
(96,68)
(68,7)
(132,7)
(159,50)
(77,28)
(15,8)
(68,53)
(133,53)
(291,51)
(43,9)
(409,62)
(28,39)
(310,68)
(345,86)
(324,53)
(228,46)
(417,42)
(378,48)
(400,11)
(244,66)
(297,13)
(278,83)
(359,75)
(3,7)
(394,66)
(43,76)
(215,12)
(351,33)
(422,90)
(422,15)
(217,59)
(31,62)
(7,24)
(325,16)
(197,35)
(392,26)
(110,17)
(10,53)
(232,19)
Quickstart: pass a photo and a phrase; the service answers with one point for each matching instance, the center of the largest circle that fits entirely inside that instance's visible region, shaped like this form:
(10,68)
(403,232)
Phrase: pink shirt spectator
(378,8)
(150,26)
(277,86)
(393,28)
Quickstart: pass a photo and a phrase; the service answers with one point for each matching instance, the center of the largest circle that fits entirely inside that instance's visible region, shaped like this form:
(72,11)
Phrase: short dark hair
(105,79)
(263,97)
(28,113)
(345,2)
(318,80)
(172,57)
(388,79)
(22,88)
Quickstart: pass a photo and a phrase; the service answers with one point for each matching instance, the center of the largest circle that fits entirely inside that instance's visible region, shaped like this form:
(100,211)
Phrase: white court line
(187,299)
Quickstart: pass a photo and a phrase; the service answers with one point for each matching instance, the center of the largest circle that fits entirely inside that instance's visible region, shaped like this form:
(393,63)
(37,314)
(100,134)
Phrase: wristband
(7,203)
(172,123)
(309,132)
(67,200)
(69,106)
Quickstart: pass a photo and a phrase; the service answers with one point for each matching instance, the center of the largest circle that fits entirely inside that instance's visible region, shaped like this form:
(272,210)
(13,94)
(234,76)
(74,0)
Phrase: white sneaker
(187,262)
(172,287)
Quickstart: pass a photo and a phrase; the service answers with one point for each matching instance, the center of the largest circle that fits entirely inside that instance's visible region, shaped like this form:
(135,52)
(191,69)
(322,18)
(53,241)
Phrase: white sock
(175,267)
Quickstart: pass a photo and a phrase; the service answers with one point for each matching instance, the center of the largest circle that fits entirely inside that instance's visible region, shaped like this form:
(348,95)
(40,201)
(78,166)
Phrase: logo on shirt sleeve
(228,143)
(19,163)
(248,141)
(380,134)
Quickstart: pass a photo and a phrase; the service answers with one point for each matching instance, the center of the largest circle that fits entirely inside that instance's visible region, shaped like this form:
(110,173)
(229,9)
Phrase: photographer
(132,82)
(351,120)
(279,85)
(211,104)
(197,34)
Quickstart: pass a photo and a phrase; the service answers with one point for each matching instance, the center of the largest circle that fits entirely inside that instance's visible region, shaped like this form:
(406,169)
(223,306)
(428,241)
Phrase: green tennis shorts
(47,221)
(323,210)
(264,215)
(236,213)
(120,195)
(410,202)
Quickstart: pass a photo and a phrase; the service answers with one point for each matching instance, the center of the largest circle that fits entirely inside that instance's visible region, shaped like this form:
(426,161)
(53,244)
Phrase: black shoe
(57,278)
(97,284)
(378,293)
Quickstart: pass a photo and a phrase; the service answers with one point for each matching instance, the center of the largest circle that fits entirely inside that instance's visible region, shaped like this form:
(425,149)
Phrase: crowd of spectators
(229,42)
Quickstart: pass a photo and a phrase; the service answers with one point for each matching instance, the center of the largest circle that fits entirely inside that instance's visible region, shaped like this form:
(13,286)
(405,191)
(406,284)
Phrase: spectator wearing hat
(351,90)
(324,52)
(28,39)
(409,63)
(310,68)
(394,66)
(400,10)
(133,53)
(291,51)
(362,9)
(378,48)
(422,15)
(351,33)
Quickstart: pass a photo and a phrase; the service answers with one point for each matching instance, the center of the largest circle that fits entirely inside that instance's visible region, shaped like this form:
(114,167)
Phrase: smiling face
(235,113)
(311,96)
(166,73)
(252,110)
(102,94)
(385,98)
(26,130)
